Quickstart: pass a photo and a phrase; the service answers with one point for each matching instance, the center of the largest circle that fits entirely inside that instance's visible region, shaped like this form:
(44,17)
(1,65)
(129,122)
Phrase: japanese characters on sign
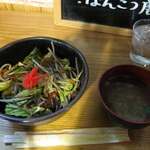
(144,8)
(114,13)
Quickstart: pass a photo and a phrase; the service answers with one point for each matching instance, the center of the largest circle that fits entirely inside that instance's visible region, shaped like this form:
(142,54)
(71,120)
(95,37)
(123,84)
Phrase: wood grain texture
(101,51)
(24,8)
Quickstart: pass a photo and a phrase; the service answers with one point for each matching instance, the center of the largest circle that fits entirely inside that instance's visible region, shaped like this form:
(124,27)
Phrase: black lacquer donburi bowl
(17,50)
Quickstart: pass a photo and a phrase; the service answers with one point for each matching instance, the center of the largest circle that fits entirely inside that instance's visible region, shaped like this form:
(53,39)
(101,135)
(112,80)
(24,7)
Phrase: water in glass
(141,43)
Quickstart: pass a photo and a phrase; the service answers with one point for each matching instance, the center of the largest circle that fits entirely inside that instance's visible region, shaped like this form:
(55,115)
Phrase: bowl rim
(32,121)
(114,68)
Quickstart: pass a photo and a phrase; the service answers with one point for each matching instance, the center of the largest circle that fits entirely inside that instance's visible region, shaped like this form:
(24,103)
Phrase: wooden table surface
(102,51)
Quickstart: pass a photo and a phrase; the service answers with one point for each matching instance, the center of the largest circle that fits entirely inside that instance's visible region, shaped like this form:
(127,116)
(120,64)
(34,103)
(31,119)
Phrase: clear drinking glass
(140,52)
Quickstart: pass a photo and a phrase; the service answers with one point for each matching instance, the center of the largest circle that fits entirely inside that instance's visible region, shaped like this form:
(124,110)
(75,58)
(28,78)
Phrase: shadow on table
(101,51)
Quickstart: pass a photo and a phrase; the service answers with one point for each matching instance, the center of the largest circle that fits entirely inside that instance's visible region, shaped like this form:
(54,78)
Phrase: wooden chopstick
(67,137)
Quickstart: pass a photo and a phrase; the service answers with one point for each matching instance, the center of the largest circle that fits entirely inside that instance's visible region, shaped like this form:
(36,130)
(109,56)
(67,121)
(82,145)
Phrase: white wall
(42,3)
(51,3)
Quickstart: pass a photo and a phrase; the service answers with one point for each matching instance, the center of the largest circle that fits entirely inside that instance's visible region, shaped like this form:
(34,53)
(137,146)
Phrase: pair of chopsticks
(70,137)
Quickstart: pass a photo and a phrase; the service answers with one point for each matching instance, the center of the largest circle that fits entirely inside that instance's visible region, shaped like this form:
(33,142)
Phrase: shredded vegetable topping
(39,84)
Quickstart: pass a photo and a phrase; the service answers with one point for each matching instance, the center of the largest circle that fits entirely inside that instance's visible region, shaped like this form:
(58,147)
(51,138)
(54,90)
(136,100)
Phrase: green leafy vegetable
(39,84)
(5,85)
(14,110)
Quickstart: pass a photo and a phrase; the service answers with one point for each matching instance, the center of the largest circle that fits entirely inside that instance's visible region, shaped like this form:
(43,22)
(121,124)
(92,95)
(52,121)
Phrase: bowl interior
(16,51)
(125,93)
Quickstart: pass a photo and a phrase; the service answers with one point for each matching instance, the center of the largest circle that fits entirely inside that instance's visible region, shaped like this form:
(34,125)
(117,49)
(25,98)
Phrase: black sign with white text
(117,13)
